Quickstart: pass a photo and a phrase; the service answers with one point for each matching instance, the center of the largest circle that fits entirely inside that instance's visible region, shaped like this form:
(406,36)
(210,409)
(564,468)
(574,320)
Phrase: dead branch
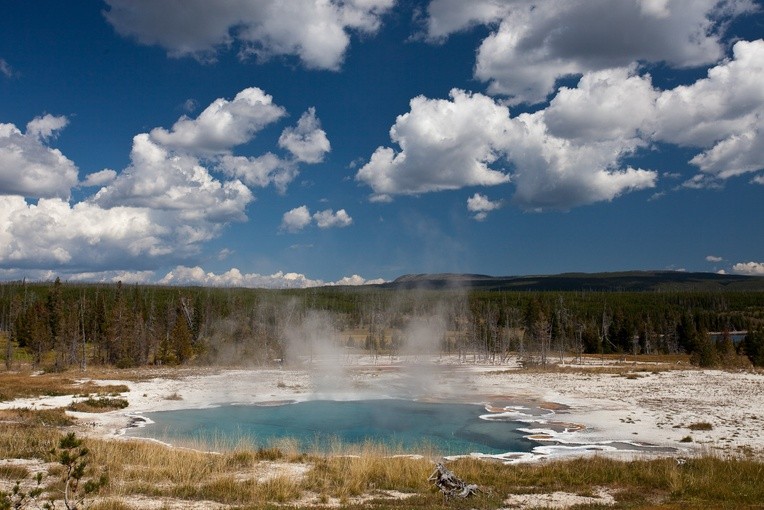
(451,485)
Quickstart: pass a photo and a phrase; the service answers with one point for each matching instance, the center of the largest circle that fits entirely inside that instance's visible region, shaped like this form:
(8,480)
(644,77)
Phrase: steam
(423,336)
(315,343)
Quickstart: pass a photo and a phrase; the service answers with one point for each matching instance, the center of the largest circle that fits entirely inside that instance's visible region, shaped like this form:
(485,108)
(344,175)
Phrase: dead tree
(450,485)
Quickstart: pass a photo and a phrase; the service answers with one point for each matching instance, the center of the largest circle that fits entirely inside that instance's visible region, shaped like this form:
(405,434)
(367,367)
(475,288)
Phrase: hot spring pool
(449,429)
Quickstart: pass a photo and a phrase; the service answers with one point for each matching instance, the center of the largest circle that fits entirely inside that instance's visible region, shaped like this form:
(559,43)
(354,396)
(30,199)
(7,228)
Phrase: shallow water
(411,426)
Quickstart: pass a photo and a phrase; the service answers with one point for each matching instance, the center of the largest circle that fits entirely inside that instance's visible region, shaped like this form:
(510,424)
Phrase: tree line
(61,324)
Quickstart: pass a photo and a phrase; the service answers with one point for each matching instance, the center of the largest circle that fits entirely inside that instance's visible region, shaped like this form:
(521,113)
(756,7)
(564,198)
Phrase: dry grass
(373,467)
(98,405)
(28,384)
(11,472)
(37,417)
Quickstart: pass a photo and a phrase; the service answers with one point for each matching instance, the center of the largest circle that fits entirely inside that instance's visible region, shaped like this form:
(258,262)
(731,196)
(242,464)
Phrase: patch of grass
(98,405)
(173,396)
(55,417)
(22,441)
(110,504)
(11,472)
(372,468)
(686,439)
(27,384)
(700,426)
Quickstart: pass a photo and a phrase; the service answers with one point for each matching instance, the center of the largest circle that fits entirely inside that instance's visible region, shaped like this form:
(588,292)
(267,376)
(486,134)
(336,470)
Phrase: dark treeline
(65,324)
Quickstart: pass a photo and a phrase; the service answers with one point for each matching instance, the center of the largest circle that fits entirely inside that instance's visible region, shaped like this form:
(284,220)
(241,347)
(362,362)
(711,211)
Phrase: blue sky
(271,143)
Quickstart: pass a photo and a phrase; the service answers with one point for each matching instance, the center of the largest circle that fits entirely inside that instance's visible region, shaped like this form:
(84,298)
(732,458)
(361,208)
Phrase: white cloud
(296,219)
(713,258)
(29,167)
(445,17)
(182,275)
(133,277)
(166,203)
(450,144)
(481,206)
(445,144)
(536,43)
(613,104)
(46,126)
(759,179)
(190,105)
(307,141)
(330,219)
(723,113)
(358,280)
(260,171)
(749,268)
(300,217)
(6,69)
(316,31)
(100,178)
(54,233)
(223,124)
(161,180)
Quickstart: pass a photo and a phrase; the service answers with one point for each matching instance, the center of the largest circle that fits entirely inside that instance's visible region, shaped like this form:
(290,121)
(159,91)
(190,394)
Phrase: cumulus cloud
(31,168)
(358,280)
(613,104)
(100,178)
(307,142)
(713,258)
(537,43)
(223,124)
(300,217)
(260,171)
(296,219)
(749,268)
(722,113)
(55,233)
(161,180)
(450,144)
(182,275)
(183,186)
(315,31)
(330,219)
(480,205)
(445,17)
(444,145)
(46,126)
(571,152)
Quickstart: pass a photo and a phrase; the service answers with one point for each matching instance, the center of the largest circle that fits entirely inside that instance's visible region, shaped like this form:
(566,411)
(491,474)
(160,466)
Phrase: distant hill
(631,281)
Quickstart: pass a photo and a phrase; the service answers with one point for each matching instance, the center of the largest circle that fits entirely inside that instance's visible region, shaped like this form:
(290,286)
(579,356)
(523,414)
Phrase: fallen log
(451,485)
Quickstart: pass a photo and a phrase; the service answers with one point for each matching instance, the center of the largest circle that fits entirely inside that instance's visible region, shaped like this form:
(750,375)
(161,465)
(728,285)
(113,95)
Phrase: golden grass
(10,472)
(98,405)
(56,417)
(27,384)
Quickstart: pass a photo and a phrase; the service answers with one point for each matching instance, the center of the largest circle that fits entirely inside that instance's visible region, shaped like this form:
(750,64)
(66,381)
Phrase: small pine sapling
(73,456)
(17,499)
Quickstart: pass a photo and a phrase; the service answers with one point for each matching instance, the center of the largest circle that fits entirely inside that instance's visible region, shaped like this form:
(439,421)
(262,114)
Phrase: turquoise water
(449,429)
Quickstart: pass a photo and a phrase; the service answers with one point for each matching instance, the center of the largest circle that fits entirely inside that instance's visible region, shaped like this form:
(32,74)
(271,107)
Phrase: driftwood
(451,485)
